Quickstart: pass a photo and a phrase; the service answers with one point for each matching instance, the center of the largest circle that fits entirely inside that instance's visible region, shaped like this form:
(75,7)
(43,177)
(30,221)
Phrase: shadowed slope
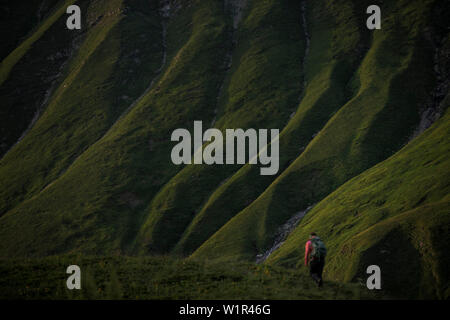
(330,64)
(259,92)
(392,82)
(28,72)
(394,215)
(99,83)
(94,174)
(94,205)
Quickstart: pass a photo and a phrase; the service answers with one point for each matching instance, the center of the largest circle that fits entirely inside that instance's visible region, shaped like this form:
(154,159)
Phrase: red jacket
(308,249)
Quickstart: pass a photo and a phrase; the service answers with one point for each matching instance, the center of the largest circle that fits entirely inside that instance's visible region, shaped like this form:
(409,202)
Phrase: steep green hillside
(18,18)
(392,82)
(87,116)
(97,200)
(88,100)
(29,71)
(259,91)
(329,66)
(394,215)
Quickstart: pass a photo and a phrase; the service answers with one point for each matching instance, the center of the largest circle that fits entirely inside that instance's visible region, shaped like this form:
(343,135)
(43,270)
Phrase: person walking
(315,252)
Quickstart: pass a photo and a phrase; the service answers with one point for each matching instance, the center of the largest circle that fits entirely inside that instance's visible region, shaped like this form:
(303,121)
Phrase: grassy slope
(394,78)
(18,19)
(35,63)
(394,215)
(330,65)
(9,62)
(162,278)
(90,98)
(99,189)
(97,201)
(259,92)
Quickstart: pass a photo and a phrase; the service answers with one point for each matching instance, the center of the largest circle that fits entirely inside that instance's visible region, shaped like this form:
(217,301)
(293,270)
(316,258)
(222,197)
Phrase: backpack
(318,248)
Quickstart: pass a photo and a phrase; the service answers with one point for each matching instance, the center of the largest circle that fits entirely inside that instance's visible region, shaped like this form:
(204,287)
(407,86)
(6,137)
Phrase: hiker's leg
(313,270)
(320,267)
(320,271)
(315,277)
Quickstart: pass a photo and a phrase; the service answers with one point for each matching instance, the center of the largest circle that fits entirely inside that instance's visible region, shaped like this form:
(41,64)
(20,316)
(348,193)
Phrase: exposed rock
(282,234)
(432,109)
(130,199)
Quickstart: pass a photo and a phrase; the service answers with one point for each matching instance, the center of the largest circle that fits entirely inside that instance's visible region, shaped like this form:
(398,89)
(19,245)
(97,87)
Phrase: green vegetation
(87,102)
(110,181)
(324,94)
(368,128)
(93,175)
(394,215)
(259,91)
(36,65)
(25,15)
(163,278)
(9,62)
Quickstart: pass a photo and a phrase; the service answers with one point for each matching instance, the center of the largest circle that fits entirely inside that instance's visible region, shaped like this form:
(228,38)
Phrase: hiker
(315,252)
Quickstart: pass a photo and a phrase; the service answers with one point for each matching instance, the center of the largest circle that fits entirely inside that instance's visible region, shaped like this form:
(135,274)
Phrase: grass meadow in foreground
(162,277)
